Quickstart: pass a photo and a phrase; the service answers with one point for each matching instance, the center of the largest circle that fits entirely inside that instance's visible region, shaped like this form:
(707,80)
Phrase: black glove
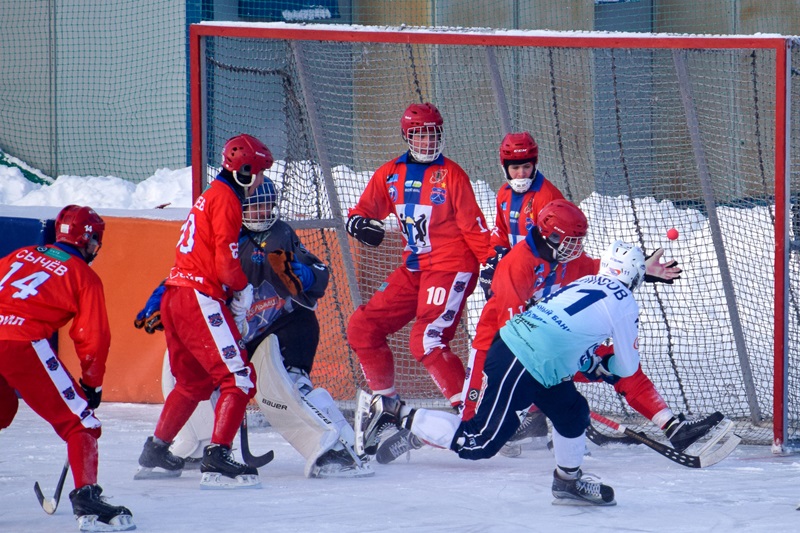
(93,395)
(367,230)
(595,368)
(658,272)
(487,271)
(149,318)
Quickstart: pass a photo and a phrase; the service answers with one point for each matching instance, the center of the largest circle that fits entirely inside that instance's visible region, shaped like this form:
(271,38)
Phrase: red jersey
(434,203)
(521,276)
(44,287)
(516,213)
(207,254)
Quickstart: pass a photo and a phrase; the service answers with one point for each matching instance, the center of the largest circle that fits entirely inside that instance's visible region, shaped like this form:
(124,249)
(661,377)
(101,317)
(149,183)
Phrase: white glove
(240,305)
(242,326)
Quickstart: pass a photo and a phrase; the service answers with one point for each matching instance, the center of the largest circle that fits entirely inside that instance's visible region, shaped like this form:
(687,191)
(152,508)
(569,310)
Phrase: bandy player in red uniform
(446,240)
(42,288)
(549,258)
(519,200)
(205,346)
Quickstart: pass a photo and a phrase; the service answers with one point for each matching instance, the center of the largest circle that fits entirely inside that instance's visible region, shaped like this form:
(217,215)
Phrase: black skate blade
(155,473)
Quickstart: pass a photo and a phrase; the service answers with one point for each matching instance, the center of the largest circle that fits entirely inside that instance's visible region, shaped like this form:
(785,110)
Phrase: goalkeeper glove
(282,264)
(149,318)
(367,230)
(93,394)
(658,272)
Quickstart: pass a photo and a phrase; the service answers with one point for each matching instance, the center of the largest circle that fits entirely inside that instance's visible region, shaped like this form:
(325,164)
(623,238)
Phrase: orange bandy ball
(672,234)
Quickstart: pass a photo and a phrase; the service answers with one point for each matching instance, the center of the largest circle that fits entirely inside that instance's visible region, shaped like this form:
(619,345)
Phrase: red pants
(36,372)
(435,301)
(206,351)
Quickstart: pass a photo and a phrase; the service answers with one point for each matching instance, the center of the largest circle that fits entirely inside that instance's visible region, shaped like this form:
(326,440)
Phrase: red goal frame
(780,45)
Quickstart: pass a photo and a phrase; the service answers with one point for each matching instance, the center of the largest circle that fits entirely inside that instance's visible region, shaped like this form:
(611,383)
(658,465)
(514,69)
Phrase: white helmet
(260,211)
(624,262)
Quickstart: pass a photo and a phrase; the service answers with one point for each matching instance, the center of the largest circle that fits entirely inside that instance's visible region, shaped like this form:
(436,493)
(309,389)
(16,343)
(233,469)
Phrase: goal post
(643,132)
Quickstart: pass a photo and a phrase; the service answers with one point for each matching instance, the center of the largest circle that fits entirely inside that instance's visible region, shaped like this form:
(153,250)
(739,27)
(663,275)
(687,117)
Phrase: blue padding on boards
(18,232)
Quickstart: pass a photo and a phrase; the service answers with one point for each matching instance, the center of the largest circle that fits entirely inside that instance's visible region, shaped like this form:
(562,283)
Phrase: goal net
(644,133)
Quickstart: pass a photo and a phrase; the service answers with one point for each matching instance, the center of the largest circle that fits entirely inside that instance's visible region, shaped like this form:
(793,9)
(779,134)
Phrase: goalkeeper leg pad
(311,423)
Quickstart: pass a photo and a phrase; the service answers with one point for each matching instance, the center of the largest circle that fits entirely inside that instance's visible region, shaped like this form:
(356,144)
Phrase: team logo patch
(241,344)
(438,196)
(52,364)
(258,256)
(449,315)
(215,320)
(433,333)
(68,393)
(393,193)
(503,205)
(229,352)
(459,286)
(473,395)
(41,249)
(243,373)
(393,178)
(438,176)
(85,413)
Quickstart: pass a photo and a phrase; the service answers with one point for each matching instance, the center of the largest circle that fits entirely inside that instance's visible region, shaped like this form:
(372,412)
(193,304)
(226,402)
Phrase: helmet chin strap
(245,185)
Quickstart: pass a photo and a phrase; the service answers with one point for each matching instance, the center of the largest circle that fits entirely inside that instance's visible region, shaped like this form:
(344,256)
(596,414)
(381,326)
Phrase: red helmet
(424,120)
(78,225)
(563,225)
(247,156)
(417,115)
(518,147)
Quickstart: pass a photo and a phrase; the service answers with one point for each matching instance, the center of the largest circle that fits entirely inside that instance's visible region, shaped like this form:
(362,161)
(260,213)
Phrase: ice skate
(683,433)
(401,442)
(583,490)
(341,463)
(192,463)
(221,471)
(533,424)
(384,412)
(156,461)
(94,514)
